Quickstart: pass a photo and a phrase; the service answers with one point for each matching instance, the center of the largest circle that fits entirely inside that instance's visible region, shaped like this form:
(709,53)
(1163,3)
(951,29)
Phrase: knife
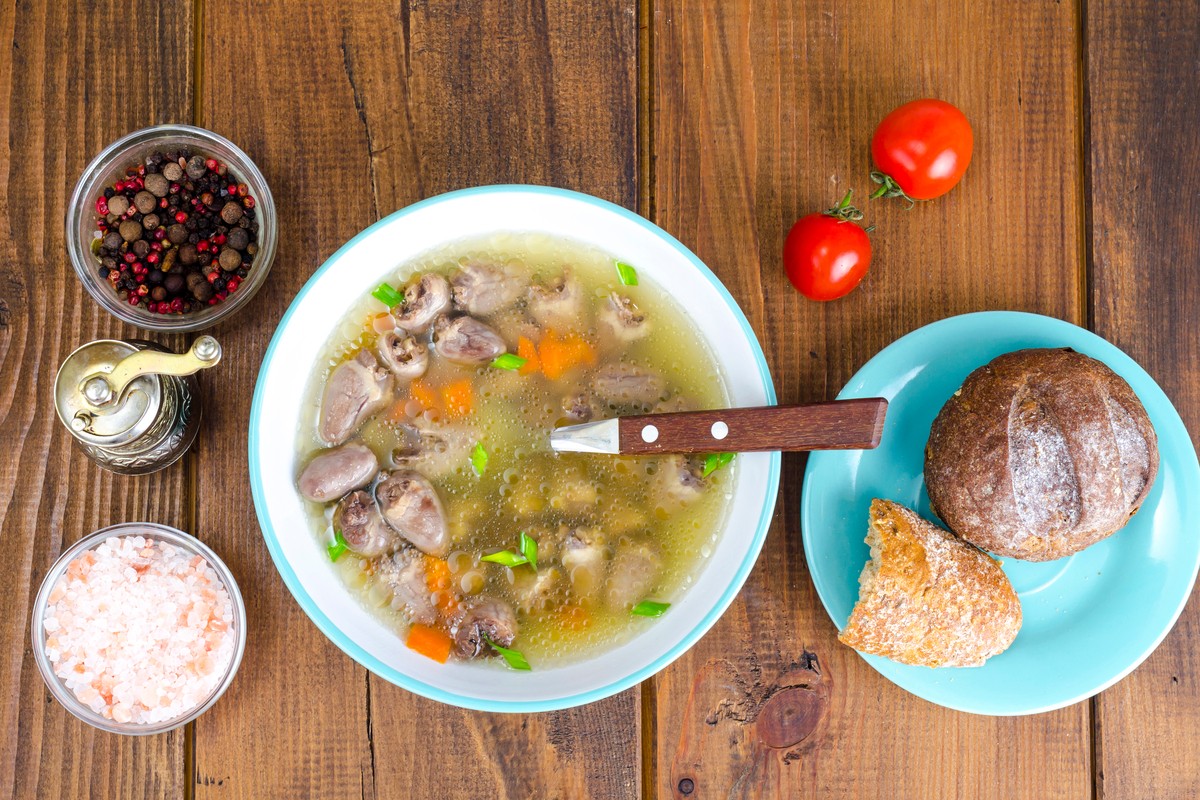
(834,425)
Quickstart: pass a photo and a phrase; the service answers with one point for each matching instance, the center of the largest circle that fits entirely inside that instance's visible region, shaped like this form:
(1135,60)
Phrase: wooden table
(720,120)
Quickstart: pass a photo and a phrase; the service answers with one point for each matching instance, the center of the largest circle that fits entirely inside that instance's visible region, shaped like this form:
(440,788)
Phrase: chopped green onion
(714,461)
(649,608)
(385,294)
(506,558)
(338,547)
(513,657)
(626,274)
(528,547)
(509,361)
(479,458)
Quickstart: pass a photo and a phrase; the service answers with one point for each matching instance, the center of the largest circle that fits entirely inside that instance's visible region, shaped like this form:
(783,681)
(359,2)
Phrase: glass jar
(110,166)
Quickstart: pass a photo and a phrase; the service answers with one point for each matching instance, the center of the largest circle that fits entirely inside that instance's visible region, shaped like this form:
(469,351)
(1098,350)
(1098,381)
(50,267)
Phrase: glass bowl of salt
(138,628)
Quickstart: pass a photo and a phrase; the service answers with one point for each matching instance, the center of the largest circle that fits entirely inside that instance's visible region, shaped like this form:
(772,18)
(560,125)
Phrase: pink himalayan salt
(140,630)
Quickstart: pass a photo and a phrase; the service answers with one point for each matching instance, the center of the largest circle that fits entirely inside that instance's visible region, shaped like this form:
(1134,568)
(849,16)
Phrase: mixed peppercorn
(178,233)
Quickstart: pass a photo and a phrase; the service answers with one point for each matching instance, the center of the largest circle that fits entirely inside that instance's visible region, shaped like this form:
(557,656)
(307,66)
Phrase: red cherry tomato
(827,255)
(921,150)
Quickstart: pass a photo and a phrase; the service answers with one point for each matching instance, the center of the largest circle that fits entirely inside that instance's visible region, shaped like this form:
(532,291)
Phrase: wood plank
(379,108)
(60,104)
(763,113)
(1142,60)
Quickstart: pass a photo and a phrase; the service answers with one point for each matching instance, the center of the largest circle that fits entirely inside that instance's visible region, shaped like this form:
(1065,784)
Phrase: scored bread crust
(1041,453)
(928,598)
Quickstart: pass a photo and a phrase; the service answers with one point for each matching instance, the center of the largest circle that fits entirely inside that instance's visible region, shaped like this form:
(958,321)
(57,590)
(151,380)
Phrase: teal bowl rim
(334,634)
(1121,363)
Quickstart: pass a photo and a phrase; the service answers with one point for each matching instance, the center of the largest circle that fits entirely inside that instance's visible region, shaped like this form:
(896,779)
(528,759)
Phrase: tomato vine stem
(888,188)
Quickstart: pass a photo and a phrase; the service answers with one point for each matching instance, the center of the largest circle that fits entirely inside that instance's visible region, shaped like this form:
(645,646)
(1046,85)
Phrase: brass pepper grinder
(132,406)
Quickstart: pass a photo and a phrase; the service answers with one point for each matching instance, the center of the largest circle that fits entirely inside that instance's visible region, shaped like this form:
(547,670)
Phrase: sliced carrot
(527,350)
(429,642)
(458,398)
(424,394)
(397,413)
(560,353)
(437,580)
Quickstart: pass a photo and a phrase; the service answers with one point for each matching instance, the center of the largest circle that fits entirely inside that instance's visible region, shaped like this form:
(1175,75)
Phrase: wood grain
(763,113)
(1144,167)
(831,425)
(358,110)
(60,105)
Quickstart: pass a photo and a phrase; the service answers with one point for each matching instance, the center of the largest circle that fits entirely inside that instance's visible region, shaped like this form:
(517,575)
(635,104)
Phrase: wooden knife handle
(836,425)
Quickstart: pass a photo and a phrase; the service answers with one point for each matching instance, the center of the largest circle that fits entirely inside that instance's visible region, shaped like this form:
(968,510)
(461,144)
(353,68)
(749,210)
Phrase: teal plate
(1089,619)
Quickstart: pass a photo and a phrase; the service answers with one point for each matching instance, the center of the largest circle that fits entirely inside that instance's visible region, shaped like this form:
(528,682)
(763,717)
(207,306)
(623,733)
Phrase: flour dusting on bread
(1039,454)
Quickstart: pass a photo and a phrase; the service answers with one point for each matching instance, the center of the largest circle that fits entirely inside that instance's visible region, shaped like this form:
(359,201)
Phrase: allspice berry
(130,230)
(203,291)
(194,279)
(156,184)
(118,204)
(231,212)
(177,234)
(150,222)
(195,167)
(230,259)
(188,254)
(238,238)
(145,201)
(112,240)
(172,172)
(140,248)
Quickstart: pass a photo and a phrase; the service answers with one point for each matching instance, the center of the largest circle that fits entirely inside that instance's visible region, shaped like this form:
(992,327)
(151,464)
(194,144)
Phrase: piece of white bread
(928,598)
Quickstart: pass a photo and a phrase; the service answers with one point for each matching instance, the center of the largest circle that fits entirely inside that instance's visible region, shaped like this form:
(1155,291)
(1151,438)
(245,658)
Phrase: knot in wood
(790,716)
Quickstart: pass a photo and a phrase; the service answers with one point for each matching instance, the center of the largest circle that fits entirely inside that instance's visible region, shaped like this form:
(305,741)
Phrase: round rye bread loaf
(1040,454)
